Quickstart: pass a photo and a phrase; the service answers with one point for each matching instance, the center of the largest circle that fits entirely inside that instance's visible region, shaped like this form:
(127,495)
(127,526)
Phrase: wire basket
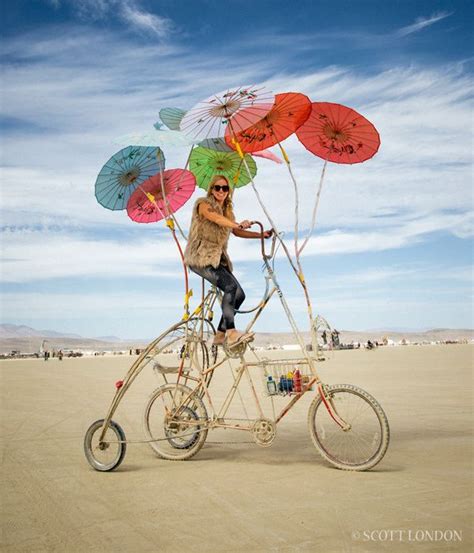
(285,376)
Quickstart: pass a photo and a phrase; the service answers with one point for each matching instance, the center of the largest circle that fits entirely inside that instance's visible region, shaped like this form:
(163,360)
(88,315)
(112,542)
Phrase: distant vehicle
(72,353)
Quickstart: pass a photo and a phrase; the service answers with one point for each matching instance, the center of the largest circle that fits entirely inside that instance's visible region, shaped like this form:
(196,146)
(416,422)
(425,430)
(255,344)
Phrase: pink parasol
(267,154)
(147,205)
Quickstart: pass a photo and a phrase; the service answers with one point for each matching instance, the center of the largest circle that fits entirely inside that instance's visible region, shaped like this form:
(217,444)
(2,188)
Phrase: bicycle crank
(264,432)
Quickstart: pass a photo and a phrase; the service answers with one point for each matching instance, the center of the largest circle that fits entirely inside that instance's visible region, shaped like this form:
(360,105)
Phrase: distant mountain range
(22,331)
(28,340)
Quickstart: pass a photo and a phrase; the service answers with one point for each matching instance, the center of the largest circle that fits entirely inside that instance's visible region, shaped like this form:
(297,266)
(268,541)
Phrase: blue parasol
(124,172)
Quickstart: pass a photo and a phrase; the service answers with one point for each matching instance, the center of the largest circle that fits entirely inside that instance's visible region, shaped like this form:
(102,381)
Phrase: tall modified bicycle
(346,424)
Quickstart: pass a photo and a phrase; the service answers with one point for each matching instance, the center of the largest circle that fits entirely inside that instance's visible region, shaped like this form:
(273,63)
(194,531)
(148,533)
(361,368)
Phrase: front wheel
(107,454)
(364,443)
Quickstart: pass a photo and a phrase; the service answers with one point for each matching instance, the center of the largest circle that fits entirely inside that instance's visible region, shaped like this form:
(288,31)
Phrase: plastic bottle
(297,381)
(271,386)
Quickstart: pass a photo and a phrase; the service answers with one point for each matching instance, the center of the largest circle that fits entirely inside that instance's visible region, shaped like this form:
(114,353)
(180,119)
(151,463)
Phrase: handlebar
(262,240)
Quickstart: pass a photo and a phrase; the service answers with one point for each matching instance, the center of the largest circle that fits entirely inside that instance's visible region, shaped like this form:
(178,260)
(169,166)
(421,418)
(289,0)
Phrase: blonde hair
(228,207)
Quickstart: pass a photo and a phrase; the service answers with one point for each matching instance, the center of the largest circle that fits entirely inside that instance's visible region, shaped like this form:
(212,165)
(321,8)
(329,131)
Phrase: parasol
(289,112)
(209,118)
(267,154)
(124,171)
(339,134)
(206,163)
(147,205)
(171,117)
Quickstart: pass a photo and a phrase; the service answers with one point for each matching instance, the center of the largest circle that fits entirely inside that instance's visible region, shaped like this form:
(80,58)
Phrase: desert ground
(237,496)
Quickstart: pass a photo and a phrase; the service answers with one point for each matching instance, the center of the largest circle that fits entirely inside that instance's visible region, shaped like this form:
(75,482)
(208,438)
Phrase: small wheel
(108,454)
(176,420)
(364,443)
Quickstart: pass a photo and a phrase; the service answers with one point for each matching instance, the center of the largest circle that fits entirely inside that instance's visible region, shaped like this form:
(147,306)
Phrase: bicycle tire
(372,425)
(158,428)
(92,452)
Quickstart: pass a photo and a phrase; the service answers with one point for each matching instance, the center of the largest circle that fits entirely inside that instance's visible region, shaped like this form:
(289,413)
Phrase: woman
(206,253)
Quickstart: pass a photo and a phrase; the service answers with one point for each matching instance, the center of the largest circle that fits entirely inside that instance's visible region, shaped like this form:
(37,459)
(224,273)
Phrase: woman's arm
(207,211)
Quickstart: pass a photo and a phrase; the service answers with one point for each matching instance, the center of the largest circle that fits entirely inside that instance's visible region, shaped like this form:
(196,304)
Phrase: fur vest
(207,241)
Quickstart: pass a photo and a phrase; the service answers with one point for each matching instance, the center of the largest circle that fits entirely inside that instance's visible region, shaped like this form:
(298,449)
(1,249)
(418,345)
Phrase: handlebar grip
(262,237)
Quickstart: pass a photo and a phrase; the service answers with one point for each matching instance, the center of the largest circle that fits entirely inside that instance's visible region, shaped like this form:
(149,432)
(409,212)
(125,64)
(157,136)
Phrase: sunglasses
(218,188)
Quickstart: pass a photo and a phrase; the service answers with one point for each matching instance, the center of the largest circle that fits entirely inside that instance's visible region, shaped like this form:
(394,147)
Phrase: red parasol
(146,204)
(288,113)
(339,134)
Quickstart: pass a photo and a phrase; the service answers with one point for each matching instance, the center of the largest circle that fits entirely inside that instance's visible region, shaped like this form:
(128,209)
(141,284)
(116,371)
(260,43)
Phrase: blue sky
(393,245)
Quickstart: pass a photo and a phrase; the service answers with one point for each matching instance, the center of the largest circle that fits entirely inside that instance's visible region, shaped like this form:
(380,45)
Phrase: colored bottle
(271,386)
(297,381)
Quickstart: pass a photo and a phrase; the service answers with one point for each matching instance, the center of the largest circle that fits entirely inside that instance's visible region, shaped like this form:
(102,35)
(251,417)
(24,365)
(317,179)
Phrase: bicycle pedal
(241,341)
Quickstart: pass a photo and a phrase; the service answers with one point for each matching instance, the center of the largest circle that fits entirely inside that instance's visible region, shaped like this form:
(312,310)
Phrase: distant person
(60,354)
(325,338)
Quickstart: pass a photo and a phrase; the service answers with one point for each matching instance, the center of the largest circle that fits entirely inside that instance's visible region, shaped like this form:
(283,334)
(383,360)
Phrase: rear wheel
(175,419)
(364,443)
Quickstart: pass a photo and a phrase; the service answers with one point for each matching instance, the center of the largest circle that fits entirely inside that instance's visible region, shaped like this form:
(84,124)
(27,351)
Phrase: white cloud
(422,23)
(128,11)
(161,26)
(31,256)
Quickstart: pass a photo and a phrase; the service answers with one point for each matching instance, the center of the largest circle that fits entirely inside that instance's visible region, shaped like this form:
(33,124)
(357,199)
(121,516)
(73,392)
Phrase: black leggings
(233,293)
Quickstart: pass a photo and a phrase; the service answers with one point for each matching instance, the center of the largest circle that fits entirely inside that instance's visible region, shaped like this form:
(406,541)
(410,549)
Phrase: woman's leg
(233,295)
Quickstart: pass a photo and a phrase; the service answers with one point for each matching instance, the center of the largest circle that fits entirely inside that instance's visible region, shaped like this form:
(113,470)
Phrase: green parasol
(206,163)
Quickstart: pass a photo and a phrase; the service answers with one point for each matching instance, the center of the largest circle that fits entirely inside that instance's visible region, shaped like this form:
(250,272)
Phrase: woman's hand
(268,233)
(245,224)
